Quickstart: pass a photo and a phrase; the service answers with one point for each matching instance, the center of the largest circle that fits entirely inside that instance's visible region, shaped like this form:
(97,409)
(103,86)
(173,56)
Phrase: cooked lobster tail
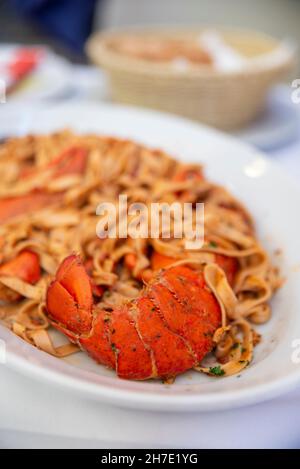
(167,330)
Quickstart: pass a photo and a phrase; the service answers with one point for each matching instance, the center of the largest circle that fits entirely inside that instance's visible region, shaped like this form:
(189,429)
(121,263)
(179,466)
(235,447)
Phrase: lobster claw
(69,298)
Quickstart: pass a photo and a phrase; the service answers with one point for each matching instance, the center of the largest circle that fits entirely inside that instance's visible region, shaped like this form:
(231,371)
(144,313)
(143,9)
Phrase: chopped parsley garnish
(217,371)
(235,345)
(212,244)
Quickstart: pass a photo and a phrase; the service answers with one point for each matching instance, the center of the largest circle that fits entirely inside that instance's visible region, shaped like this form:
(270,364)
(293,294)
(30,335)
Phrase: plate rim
(206,402)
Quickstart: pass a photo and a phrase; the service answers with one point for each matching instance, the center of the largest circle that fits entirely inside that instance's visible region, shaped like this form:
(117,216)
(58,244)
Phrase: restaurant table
(38,415)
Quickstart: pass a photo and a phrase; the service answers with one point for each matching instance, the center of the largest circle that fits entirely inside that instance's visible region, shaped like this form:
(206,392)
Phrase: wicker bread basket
(224,99)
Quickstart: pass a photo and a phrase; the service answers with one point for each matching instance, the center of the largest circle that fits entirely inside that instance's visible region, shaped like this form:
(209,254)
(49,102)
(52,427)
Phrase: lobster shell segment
(69,297)
(165,331)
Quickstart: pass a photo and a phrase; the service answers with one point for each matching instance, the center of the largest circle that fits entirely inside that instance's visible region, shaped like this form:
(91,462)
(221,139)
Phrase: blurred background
(58,68)
(65,24)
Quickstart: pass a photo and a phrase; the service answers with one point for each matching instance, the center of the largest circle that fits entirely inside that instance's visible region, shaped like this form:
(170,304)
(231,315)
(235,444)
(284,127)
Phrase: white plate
(274,201)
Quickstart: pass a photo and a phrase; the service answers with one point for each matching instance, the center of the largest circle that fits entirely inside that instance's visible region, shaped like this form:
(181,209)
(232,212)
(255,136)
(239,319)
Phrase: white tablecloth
(38,415)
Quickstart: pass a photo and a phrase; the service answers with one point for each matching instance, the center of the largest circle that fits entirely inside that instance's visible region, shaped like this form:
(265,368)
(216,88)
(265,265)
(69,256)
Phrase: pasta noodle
(58,217)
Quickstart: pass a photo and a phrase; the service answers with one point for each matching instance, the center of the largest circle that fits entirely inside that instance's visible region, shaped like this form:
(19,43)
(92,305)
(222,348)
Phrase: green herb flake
(235,345)
(217,371)
(212,244)
(113,347)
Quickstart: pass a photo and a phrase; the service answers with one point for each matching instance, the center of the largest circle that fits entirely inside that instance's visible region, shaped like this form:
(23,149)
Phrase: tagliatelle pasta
(50,189)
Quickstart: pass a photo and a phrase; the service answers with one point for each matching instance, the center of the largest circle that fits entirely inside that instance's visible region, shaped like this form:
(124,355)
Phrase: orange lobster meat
(71,161)
(37,199)
(228,264)
(167,330)
(26,266)
(160,261)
